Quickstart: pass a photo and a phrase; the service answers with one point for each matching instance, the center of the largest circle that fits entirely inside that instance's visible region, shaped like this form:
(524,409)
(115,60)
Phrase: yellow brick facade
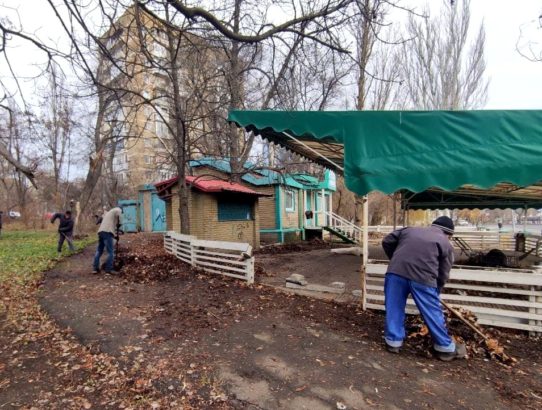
(204,223)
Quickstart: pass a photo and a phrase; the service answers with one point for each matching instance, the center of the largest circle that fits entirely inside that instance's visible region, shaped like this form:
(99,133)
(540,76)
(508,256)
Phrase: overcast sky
(515,82)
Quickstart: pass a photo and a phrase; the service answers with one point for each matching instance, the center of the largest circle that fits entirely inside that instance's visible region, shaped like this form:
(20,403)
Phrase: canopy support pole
(365,252)
(394,197)
(525,218)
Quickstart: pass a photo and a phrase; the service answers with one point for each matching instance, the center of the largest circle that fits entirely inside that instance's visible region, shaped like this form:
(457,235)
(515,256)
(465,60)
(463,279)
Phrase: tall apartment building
(137,62)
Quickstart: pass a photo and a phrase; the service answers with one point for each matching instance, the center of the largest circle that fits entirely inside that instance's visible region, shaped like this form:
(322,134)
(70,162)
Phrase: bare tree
(528,44)
(441,68)
(56,125)
(15,138)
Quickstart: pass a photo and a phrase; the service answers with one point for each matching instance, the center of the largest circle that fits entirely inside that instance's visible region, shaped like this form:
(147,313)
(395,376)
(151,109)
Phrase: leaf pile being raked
(487,347)
(145,261)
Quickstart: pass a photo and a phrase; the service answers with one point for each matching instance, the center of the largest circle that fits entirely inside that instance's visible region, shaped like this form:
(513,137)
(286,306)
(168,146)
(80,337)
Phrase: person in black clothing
(65,230)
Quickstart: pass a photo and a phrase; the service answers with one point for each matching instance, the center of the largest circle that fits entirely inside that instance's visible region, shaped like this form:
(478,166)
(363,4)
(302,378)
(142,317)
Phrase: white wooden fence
(480,240)
(501,298)
(225,258)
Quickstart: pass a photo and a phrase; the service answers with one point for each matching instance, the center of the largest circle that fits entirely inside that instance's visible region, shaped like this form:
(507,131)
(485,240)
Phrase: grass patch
(25,254)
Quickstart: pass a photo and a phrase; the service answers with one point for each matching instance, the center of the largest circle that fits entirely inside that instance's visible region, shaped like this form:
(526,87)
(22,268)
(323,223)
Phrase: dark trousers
(65,237)
(105,241)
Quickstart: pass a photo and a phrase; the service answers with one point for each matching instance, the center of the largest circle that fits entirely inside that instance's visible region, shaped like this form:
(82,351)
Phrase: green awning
(412,150)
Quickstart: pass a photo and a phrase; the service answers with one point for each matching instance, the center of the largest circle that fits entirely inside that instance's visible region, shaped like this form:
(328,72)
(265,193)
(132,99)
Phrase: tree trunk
(96,163)
(235,85)
(180,130)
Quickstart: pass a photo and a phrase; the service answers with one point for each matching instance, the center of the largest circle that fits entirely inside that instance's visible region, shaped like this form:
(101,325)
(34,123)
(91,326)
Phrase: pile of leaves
(476,345)
(145,260)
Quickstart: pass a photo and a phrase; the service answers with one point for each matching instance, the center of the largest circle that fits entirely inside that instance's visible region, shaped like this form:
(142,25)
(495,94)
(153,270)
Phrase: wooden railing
(344,226)
(224,258)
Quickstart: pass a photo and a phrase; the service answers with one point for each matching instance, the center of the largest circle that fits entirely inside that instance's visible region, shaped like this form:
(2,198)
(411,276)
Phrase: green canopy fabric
(413,150)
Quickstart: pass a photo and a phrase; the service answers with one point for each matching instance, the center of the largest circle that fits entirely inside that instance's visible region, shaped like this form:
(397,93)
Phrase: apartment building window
(148,175)
(161,119)
(161,129)
(120,144)
(160,51)
(147,159)
(147,142)
(114,72)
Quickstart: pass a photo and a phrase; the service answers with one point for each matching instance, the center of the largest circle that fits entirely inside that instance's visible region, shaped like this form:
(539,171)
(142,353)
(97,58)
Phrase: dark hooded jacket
(65,225)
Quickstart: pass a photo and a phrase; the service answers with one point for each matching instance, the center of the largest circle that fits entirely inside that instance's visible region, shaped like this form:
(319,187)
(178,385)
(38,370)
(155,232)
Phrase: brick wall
(267,207)
(204,223)
(290,219)
(169,215)
(173,205)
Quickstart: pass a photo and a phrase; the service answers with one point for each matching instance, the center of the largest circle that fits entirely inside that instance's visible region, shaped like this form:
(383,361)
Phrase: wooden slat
(511,325)
(231,275)
(213,259)
(491,300)
(479,275)
(511,291)
(234,246)
(452,285)
(225,255)
(214,265)
(478,310)
(474,299)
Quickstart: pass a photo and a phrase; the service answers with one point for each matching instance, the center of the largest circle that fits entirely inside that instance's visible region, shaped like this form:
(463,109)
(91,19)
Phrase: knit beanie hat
(444,223)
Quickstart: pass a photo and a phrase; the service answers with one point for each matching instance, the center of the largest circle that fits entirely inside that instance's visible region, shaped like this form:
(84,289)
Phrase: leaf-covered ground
(163,336)
(42,365)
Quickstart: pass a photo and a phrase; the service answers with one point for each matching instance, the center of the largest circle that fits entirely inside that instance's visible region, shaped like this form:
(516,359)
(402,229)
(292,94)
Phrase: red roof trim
(208,185)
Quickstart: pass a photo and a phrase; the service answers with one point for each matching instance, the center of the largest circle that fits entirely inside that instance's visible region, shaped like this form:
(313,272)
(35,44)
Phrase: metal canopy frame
(324,152)
(501,196)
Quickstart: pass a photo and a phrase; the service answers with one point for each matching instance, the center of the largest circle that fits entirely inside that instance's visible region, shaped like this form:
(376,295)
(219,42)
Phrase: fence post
(250,271)
(174,246)
(192,254)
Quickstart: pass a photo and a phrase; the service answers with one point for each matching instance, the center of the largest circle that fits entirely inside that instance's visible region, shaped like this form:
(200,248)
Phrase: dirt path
(214,342)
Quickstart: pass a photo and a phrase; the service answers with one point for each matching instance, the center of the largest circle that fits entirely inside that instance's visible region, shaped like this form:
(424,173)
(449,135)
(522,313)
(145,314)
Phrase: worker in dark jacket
(65,230)
(420,263)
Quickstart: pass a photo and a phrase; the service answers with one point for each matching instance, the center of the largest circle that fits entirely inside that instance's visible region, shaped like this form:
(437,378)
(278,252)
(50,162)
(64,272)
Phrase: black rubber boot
(459,353)
(392,349)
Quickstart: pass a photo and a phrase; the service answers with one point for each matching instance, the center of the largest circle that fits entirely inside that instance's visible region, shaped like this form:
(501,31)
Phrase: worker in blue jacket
(65,230)
(420,263)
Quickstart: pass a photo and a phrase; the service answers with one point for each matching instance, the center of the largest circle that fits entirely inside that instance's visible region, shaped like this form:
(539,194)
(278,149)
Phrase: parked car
(462,222)
(14,214)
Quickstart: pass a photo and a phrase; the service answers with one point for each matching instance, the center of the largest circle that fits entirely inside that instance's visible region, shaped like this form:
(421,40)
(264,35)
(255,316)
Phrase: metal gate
(129,215)
(158,212)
